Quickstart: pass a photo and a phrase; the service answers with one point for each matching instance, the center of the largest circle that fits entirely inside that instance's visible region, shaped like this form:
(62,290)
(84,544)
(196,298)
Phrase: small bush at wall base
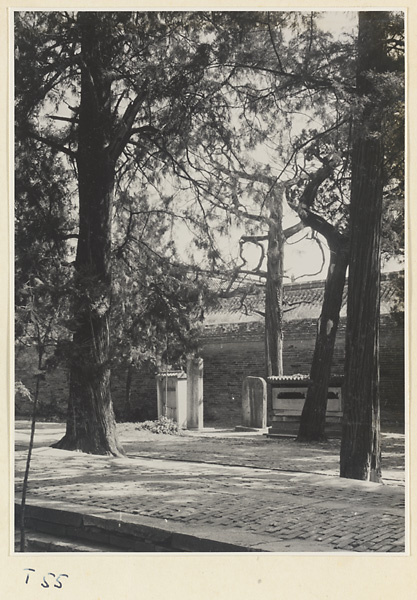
(161,425)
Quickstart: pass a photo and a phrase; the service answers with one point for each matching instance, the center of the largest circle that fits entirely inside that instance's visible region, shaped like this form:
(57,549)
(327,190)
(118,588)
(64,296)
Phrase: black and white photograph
(210,276)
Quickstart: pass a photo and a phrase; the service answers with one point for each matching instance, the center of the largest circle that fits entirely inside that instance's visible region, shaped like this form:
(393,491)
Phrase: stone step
(43,542)
(111,531)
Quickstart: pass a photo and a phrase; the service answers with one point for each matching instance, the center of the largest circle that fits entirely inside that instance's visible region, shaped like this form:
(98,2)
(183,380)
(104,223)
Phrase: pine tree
(114,93)
(360,456)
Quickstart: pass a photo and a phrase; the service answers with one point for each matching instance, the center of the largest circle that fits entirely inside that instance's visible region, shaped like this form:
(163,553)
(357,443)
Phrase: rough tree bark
(91,425)
(274,288)
(360,456)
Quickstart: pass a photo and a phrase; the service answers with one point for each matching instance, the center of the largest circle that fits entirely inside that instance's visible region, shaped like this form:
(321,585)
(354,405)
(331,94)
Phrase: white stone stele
(180,395)
(172,396)
(195,393)
(254,394)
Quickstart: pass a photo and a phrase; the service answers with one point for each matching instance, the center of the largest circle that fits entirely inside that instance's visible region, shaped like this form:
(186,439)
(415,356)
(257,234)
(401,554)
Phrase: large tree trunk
(313,416)
(91,424)
(360,456)
(274,290)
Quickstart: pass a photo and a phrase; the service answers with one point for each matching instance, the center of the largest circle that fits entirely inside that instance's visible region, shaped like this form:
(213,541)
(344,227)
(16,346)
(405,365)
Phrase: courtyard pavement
(223,487)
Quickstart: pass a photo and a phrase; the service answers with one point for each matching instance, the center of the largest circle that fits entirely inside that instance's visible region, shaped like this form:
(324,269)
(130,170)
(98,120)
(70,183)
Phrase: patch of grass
(162,425)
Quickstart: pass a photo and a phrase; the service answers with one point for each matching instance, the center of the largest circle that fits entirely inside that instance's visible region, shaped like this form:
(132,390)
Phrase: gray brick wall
(231,352)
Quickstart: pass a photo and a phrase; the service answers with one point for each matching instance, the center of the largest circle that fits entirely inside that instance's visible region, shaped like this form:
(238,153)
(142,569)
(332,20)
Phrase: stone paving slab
(267,509)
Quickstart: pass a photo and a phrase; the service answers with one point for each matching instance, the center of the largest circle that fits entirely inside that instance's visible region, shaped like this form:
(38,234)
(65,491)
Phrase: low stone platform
(244,429)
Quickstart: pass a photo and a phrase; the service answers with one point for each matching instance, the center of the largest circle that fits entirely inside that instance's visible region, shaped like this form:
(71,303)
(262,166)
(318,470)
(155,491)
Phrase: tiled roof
(301,301)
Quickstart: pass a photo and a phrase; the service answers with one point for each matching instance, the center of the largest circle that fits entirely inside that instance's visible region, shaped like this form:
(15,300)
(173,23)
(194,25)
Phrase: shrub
(161,425)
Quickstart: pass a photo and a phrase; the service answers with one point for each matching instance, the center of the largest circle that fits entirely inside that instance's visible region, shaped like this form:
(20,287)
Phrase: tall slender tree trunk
(128,390)
(91,425)
(28,460)
(313,416)
(274,290)
(360,456)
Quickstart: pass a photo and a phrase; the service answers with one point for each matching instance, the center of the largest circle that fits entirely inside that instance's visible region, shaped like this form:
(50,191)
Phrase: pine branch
(124,131)
(309,81)
(52,143)
(290,231)
(303,207)
(66,119)
(254,239)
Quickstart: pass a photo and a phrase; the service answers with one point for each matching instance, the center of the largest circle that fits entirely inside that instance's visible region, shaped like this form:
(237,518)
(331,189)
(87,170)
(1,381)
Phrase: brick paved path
(286,509)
